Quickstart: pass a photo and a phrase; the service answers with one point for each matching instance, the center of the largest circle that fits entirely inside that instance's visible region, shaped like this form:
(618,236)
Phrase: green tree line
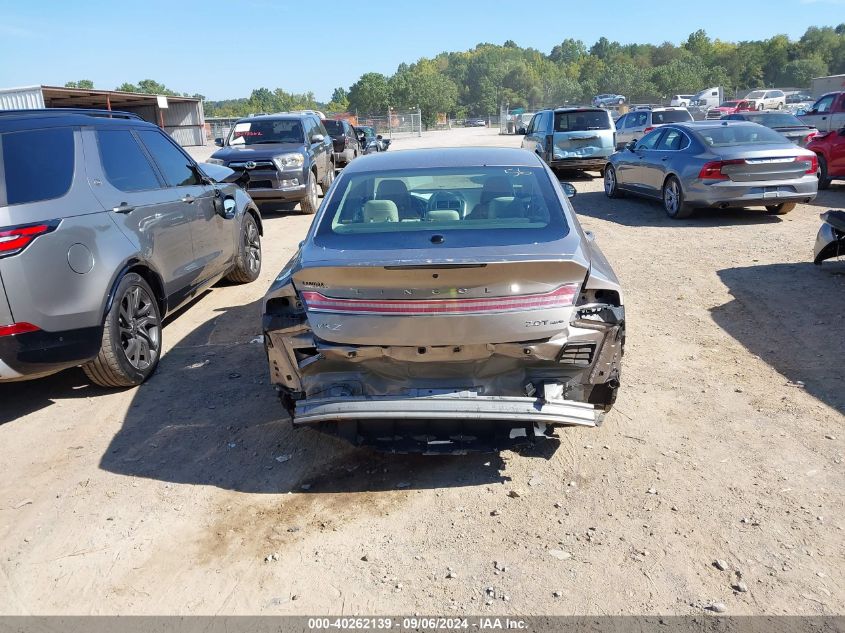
(478,81)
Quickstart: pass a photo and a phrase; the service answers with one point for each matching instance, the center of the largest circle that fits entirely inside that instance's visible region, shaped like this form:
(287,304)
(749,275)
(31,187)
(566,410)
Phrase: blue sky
(224,49)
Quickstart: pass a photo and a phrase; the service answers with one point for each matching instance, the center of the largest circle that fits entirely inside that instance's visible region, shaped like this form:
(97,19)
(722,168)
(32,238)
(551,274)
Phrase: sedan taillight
(713,169)
(648,129)
(814,163)
(14,240)
(561,297)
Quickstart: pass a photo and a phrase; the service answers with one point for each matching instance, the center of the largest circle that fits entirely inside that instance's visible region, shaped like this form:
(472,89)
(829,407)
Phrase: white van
(680,101)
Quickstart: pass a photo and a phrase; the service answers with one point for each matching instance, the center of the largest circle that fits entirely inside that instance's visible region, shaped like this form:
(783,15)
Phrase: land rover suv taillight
(15,239)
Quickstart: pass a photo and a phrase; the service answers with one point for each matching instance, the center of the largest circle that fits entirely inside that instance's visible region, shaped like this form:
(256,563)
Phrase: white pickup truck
(828,112)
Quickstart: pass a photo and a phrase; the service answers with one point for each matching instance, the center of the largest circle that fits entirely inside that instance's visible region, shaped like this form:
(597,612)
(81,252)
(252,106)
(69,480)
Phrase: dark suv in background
(286,154)
(346,144)
(106,225)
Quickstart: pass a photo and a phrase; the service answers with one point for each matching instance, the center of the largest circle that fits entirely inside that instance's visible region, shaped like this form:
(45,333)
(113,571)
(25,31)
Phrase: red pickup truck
(828,112)
(830,148)
(730,107)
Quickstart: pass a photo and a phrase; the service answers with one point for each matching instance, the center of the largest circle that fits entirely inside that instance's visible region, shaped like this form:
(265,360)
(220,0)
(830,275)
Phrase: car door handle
(124,207)
(665,158)
(189,199)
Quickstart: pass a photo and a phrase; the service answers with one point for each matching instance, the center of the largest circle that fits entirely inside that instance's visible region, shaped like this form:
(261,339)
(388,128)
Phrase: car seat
(494,187)
(397,192)
(380,211)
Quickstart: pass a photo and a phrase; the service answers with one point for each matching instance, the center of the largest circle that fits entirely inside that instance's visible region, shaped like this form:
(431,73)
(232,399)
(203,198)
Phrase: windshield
(266,131)
(334,128)
(777,120)
(731,135)
(368,131)
(670,116)
(498,199)
(756,94)
(581,121)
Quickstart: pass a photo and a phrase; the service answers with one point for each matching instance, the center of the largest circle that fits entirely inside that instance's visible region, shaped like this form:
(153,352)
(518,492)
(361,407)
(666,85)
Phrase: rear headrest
(380,211)
(442,215)
(496,187)
(390,188)
(505,208)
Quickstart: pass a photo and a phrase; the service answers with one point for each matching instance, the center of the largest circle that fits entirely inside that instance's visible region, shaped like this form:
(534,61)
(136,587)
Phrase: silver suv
(637,123)
(571,138)
(106,225)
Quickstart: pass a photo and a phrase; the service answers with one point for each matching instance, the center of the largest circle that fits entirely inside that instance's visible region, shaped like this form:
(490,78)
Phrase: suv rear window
(335,128)
(581,121)
(37,165)
(670,116)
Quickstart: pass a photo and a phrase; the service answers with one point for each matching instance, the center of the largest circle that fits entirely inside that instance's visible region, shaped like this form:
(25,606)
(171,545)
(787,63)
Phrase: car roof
(12,120)
(576,109)
(443,157)
(278,116)
(697,126)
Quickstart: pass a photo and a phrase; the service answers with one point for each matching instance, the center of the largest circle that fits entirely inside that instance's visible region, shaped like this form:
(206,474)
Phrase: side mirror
(379,137)
(224,207)
(591,237)
(569,189)
(630,145)
(522,131)
(318,138)
(218,142)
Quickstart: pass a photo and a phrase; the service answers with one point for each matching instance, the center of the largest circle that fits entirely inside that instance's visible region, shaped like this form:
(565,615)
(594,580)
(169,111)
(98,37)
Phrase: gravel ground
(718,477)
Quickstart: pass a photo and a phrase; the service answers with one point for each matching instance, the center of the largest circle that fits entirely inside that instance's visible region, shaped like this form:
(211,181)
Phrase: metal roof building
(181,117)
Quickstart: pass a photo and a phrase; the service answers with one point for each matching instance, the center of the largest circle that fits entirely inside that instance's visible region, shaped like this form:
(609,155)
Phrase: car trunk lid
(440,303)
(756,163)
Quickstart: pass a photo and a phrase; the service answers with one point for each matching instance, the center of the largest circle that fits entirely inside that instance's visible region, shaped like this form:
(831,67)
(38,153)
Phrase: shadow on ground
(633,211)
(18,399)
(209,416)
(790,315)
(833,198)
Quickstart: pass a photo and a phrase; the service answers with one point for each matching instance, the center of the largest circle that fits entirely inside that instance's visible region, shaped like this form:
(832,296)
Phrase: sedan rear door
(660,161)
(636,173)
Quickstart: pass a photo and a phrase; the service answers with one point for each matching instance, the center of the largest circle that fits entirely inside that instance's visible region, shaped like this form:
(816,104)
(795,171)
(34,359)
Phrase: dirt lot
(726,443)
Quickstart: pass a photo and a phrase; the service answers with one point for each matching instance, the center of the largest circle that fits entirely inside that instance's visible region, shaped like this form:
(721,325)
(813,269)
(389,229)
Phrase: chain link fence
(389,125)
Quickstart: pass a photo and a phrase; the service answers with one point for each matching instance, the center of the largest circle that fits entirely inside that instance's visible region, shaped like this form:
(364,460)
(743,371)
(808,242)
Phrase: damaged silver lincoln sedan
(446,300)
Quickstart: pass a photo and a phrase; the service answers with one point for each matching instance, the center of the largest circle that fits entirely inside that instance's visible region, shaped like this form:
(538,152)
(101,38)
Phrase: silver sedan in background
(714,164)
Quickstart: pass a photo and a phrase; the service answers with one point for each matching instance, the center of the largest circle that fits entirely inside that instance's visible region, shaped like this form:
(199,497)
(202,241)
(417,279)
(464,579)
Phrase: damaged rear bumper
(464,406)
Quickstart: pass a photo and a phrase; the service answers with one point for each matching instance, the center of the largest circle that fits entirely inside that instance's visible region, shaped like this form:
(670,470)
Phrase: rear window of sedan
(582,121)
(670,116)
(776,120)
(749,134)
(469,199)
